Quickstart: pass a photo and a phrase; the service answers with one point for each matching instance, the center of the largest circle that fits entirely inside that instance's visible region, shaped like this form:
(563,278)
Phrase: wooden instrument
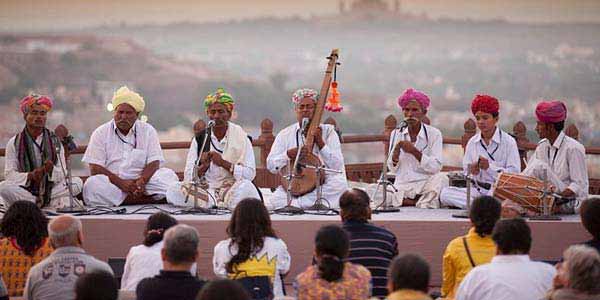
(304,180)
(526,191)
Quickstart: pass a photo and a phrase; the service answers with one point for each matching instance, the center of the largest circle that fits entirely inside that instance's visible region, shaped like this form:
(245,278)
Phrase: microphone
(402,125)
(210,124)
(305,122)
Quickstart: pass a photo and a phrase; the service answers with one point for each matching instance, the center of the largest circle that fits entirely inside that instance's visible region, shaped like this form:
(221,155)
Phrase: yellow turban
(125,95)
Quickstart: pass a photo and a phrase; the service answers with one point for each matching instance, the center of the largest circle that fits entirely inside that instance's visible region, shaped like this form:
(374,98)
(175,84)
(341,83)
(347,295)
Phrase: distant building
(369,7)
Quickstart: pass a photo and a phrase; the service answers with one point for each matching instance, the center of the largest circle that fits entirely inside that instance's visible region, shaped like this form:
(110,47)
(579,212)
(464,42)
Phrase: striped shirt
(373,247)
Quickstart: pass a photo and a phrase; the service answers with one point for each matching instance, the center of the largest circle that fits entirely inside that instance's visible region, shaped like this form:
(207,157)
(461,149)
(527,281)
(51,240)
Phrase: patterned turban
(219,96)
(26,103)
(486,104)
(125,95)
(410,95)
(300,94)
(551,111)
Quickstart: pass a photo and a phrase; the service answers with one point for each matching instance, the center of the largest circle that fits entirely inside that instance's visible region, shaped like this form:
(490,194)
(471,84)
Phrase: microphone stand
(318,205)
(197,181)
(464,214)
(289,208)
(69,181)
(546,214)
(384,206)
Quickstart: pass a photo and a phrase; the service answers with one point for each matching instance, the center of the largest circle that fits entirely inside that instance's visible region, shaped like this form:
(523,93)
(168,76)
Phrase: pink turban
(32,99)
(486,104)
(551,111)
(410,95)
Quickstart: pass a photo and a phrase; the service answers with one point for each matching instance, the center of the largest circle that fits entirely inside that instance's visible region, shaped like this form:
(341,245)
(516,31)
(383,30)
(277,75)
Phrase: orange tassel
(333,102)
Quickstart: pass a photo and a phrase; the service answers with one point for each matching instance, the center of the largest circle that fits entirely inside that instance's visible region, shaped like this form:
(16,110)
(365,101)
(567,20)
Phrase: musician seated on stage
(488,153)
(35,166)
(226,163)
(416,155)
(327,147)
(558,158)
(125,158)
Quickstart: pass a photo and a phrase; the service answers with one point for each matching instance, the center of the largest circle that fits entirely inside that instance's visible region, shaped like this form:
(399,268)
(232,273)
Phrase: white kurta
(243,174)
(503,156)
(126,156)
(507,277)
(415,177)
(564,165)
(11,190)
(331,156)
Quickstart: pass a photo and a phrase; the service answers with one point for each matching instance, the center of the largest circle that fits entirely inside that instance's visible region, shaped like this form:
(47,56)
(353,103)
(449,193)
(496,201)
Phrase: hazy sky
(35,15)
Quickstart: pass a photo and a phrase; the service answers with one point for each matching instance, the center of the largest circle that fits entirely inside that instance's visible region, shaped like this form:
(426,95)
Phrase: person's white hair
(181,244)
(582,265)
(66,234)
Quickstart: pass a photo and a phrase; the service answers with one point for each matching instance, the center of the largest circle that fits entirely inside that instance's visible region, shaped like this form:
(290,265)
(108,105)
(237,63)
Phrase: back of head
(156,226)
(97,285)
(590,216)
(223,289)
(250,224)
(331,246)
(64,231)
(26,223)
(512,236)
(181,244)
(354,204)
(485,212)
(583,269)
(409,271)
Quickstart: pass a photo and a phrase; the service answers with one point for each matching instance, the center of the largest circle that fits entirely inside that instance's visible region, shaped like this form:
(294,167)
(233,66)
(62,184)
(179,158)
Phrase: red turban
(414,95)
(486,104)
(551,111)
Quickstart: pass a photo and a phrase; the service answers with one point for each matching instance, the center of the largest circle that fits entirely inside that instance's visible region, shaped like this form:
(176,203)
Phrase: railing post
(389,125)
(199,126)
(266,138)
(520,132)
(470,130)
(572,131)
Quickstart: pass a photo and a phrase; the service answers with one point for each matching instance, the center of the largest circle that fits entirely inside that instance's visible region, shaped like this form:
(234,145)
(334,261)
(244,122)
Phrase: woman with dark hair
(223,289)
(253,249)
(332,278)
(25,243)
(477,247)
(145,260)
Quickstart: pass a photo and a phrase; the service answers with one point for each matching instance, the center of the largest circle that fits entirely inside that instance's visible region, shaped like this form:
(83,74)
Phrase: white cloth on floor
(503,156)
(125,156)
(563,164)
(331,156)
(11,189)
(415,177)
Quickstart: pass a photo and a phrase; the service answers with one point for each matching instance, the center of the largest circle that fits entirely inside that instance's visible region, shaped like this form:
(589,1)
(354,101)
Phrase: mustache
(410,119)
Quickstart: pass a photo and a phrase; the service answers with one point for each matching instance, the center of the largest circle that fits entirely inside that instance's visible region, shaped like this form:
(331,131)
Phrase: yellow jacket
(456,263)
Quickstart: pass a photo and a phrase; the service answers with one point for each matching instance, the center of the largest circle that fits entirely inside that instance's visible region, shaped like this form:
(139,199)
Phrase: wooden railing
(369,172)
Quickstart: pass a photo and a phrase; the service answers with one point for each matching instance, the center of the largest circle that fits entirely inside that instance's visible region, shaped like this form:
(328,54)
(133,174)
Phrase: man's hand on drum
(567,193)
(484,164)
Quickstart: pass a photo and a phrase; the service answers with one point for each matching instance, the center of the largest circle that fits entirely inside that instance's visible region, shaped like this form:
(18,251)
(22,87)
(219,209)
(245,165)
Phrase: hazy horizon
(57,15)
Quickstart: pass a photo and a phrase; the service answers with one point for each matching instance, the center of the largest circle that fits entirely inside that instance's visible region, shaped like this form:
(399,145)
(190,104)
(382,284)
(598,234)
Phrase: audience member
(590,217)
(54,277)
(408,278)
(144,260)
(25,243)
(476,248)
(332,278)
(96,285)
(3,291)
(252,249)
(371,246)
(511,275)
(223,289)
(578,276)
(175,280)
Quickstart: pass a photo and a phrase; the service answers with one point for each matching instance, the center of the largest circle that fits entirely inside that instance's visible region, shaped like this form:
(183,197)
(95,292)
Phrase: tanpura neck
(34,132)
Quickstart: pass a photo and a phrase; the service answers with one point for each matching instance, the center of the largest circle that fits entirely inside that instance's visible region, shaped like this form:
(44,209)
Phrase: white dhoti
(11,193)
(457,196)
(428,190)
(99,191)
(222,198)
(333,188)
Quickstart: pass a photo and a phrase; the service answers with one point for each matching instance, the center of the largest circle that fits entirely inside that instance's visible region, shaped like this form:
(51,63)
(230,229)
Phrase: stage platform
(418,230)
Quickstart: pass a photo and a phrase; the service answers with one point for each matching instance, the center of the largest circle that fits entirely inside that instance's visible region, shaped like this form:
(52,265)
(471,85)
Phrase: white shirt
(409,169)
(274,251)
(109,148)
(507,277)
(216,174)
(502,154)
(566,157)
(11,164)
(143,262)
(291,137)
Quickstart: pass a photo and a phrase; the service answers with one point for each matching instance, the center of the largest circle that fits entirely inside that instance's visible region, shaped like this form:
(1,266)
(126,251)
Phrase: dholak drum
(526,191)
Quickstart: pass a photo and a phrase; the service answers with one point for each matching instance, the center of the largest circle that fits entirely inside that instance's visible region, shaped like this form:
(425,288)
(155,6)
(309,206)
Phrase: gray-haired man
(55,277)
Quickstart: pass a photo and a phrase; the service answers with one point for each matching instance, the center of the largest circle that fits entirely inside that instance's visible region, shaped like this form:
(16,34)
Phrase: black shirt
(169,285)
(374,248)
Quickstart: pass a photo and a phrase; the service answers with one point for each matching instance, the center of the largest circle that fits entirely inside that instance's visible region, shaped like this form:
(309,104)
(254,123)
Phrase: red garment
(551,111)
(486,104)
